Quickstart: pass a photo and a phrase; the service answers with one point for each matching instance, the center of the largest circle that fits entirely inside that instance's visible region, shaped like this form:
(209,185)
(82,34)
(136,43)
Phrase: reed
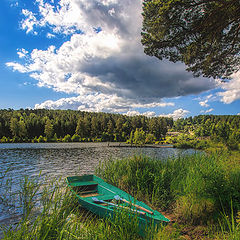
(51,212)
(197,187)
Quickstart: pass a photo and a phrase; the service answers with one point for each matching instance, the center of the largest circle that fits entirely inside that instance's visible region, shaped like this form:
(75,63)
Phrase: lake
(61,159)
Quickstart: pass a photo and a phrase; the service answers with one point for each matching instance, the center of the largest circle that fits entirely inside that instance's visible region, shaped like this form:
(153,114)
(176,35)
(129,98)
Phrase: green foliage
(230,227)
(55,138)
(75,138)
(41,139)
(150,138)
(4,140)
(48,131)
(67,138)
(16,139)
(202,34)
(204,131)
(28,124)
(139,137)
(198,185)
(61,217)
(14,126)
(35,140)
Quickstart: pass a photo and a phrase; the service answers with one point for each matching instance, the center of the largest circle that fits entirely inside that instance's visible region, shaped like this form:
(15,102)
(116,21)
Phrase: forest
(76,126)
(42,125)
(203,130)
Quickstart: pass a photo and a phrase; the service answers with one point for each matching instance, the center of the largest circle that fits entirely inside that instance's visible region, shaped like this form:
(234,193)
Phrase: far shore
(122,144)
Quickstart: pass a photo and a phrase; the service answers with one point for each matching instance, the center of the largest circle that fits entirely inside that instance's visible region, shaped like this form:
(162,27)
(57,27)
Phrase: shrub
(4,140)
(75,138)
(35,140)
(41,139)
(67,138)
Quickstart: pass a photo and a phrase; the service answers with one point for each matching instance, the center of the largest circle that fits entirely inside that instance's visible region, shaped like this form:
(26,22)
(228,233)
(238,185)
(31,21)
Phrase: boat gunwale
(156,216)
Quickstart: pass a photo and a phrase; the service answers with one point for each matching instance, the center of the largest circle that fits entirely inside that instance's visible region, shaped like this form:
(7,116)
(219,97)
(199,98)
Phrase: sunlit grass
(199,189)
(57,215)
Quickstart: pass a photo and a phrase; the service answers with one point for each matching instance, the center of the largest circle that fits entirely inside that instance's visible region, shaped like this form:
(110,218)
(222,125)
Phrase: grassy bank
(52,212)
(199,192)
(184,140)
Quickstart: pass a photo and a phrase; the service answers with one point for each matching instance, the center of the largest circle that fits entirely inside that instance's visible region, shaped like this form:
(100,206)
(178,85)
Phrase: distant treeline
(68,125)
(42,125)
(218,128)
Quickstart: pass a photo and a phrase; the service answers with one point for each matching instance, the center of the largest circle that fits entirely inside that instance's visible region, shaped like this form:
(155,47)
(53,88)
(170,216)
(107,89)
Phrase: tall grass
(52,212)
(197,187)
(230,227)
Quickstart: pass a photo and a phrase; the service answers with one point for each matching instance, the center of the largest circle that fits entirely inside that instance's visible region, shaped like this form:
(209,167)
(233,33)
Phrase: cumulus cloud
(232,89)
(103,59)
(30,21)
(137,113)
(207,111)
(100,103)
(17,67)
(22,53)
(179,113)
(50,35)
(133,113)
(204,103)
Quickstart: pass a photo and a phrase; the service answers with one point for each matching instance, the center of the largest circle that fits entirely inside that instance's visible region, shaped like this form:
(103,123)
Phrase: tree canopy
(204,34)
(68,125)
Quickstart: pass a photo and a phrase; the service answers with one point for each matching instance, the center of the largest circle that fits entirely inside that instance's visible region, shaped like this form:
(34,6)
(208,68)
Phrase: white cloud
(137,113)
(231,89)
(22,53)
(133,113)
(179,113)
(238,114)
(153,104)
(209,110)
(14,4)
(17,67)
(204,103)
(50,35)
(149,114)
(97,103)
(30,21)
(107,65)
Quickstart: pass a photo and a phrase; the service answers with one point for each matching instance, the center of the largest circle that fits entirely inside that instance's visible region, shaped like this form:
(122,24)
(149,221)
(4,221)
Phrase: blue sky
(87,55)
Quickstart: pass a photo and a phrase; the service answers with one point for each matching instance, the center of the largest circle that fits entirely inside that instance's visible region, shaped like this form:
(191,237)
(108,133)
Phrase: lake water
(61,159)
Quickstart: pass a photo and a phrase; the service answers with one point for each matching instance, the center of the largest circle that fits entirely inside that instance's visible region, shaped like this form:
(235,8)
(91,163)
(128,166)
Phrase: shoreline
(122,145)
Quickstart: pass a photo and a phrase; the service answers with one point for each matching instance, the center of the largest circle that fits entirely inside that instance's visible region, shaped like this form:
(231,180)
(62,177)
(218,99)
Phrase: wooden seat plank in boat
(89,195)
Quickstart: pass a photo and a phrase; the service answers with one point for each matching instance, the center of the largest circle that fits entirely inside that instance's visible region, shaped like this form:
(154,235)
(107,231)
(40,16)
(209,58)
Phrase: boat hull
(89,187)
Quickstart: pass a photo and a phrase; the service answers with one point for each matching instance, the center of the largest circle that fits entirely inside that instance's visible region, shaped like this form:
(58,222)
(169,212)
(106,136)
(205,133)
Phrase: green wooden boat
(103,199)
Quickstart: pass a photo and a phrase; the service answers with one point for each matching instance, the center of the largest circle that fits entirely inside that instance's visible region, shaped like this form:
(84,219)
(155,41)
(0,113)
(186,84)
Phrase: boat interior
(86,187)
(93,191)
